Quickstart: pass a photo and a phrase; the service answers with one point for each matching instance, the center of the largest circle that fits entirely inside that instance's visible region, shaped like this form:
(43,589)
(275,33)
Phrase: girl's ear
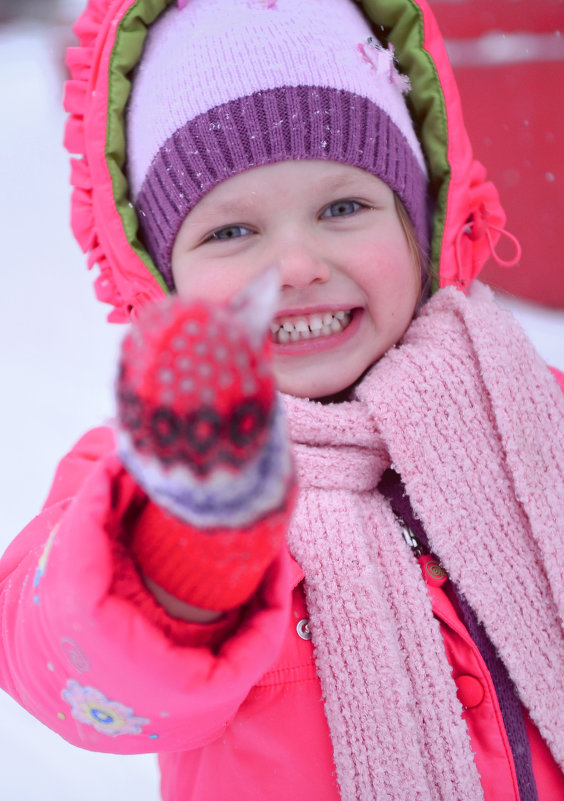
(255,305)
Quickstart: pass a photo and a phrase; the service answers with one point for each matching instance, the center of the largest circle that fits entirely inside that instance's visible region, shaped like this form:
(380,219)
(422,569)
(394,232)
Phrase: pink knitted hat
(227,85)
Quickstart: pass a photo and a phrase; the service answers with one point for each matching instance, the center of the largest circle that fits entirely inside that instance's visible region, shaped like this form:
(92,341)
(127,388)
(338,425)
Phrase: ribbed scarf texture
(469,416)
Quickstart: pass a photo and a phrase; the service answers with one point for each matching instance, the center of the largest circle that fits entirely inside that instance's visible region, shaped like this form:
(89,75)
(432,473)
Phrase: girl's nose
(299,267)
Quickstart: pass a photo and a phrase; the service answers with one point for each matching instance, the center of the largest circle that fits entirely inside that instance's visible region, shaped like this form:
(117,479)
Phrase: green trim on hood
(130,38)
(399,21)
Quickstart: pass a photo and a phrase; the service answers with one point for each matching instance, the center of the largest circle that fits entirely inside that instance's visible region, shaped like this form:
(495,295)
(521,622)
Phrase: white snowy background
(57,364)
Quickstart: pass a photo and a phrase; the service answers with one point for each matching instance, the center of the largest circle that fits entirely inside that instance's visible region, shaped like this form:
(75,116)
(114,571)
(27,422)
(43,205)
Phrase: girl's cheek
(215,282)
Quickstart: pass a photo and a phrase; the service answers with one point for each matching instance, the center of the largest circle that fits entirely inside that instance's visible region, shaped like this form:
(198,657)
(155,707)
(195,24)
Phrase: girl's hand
(201,431)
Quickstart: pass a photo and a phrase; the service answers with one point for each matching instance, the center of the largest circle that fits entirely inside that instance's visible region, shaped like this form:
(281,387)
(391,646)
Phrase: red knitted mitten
(201,431)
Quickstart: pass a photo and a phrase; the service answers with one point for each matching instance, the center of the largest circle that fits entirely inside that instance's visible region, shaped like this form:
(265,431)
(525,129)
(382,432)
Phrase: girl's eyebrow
(227,206)
(338,183)
(357,181)
(240,203)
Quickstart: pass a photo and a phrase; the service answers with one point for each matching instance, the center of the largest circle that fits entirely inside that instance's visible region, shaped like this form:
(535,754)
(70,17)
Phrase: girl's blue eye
(342,208)
(229,232)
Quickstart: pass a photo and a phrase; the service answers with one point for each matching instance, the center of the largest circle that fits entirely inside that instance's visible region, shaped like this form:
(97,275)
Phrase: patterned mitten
(202,432)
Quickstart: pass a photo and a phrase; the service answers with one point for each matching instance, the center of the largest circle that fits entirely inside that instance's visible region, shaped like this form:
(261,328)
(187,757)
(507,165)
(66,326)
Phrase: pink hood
(467,217)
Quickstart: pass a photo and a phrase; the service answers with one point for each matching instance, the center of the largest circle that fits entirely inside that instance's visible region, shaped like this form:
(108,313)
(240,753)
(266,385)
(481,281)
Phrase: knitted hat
(227,85)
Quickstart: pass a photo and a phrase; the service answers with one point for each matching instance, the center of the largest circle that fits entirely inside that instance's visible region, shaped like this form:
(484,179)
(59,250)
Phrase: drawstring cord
(478,226)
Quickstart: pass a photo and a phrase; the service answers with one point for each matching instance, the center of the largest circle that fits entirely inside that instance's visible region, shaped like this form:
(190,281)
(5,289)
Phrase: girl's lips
(315,344)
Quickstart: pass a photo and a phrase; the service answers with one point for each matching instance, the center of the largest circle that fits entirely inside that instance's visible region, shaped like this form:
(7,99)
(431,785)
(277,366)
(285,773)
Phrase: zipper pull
(432,570)
(417,547)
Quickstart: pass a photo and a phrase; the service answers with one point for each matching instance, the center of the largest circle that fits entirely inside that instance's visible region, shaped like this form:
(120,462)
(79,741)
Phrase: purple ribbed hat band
(266,127)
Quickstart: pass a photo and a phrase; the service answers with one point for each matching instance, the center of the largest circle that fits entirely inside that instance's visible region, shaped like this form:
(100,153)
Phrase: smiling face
(348,283)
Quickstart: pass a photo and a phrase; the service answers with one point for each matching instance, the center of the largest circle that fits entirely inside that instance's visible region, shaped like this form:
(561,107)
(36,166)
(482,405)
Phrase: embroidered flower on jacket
(91,706)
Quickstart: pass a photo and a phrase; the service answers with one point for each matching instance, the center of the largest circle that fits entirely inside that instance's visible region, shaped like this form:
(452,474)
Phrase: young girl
(370,605)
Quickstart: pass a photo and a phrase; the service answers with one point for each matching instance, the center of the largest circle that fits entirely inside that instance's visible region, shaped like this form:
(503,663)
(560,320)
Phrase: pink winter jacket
(74,651)
(243,719)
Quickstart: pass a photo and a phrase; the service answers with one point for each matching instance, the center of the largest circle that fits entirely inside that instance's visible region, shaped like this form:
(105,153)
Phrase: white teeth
(292,329)
(316,322)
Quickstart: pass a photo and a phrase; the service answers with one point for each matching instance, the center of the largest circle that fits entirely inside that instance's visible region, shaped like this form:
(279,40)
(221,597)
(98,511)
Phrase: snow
(58,357)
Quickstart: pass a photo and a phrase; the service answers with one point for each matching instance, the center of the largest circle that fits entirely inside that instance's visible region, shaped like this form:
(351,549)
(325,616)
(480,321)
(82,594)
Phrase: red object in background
(508,57)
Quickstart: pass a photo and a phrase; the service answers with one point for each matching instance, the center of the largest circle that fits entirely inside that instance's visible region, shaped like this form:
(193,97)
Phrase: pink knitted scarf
(473,421)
